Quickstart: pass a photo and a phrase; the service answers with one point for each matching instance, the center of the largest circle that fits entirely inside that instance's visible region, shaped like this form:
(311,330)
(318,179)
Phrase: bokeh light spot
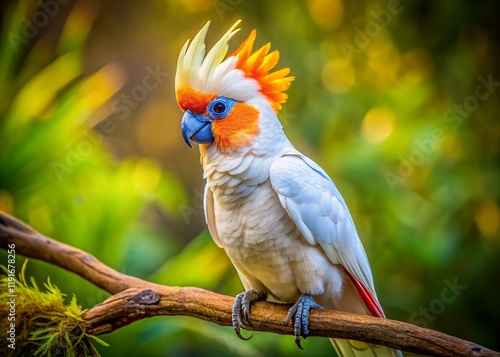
(6,202)
(377,125)
(158,129)
(101,86)
(196,6)
(326,13)
(384,62)
(146,175)
(416,65)
(487,218)
(338,76)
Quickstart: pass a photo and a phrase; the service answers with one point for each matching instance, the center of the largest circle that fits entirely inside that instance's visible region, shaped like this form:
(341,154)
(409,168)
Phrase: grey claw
(301,312)
(297,342)
(238,333)
(241,310)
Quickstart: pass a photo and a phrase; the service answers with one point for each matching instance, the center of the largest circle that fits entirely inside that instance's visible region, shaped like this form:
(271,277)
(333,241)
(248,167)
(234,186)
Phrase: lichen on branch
(42,324)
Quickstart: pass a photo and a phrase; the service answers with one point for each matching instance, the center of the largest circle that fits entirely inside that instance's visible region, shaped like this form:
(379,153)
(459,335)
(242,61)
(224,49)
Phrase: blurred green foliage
(385,100)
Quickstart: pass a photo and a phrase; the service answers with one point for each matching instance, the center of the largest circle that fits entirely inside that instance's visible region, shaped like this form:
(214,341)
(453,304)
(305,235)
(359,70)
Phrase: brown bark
(136,299)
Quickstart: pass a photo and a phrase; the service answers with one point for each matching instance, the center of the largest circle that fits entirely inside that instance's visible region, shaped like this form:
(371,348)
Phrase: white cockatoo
(278,216)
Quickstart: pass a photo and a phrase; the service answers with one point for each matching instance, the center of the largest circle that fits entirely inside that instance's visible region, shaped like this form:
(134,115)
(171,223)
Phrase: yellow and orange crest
(258,65)
(241,76)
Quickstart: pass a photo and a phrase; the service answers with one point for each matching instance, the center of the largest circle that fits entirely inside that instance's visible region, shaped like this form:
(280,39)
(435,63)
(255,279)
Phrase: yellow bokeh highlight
(384,62)
(146,175)
(416,65)
(158,128)
(451,147)
(39,216)
(338,75)
(101,86)
(487,218)
(6,202)
(326,13)
(39,92)
(78,25)
(196,6)
(377,125)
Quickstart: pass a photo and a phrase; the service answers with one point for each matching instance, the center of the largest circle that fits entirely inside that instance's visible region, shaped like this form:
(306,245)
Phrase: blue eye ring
(220,107)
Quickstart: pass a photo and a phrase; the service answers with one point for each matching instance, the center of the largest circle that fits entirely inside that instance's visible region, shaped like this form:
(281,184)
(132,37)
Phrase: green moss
(44,325)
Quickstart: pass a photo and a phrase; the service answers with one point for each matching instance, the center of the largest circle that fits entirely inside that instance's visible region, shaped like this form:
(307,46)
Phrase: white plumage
(285,226)
(276,213)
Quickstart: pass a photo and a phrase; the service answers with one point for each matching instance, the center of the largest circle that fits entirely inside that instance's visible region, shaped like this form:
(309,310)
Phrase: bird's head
(225,99)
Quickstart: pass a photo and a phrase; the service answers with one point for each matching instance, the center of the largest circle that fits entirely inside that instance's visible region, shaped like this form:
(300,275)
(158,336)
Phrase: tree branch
(136,299)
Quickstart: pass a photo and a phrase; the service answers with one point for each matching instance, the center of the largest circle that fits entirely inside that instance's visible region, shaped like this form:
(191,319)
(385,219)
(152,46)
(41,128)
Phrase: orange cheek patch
(238,129)
(190,99)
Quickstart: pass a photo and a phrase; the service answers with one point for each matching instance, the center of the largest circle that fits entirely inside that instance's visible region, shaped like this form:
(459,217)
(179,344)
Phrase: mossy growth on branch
(43,324)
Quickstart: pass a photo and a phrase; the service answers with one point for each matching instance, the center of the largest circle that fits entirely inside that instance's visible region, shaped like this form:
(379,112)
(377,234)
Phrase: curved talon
(235,316)
(301,312)
(238,333)
(249,297)
(297,342)
(246,315)
(241,310)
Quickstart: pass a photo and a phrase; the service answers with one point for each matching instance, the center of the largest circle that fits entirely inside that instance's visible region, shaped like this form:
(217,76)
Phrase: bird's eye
(219,107)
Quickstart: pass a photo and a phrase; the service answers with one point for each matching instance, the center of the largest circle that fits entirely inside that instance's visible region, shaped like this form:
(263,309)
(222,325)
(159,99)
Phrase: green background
(385,99)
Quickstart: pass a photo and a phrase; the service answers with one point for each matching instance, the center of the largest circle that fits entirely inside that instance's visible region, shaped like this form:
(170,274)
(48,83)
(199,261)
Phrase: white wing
(208,206)
(319,211)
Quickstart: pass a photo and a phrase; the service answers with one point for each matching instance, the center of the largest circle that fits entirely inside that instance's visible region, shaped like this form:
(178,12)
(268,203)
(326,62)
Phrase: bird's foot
(301,312)
(241,310)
